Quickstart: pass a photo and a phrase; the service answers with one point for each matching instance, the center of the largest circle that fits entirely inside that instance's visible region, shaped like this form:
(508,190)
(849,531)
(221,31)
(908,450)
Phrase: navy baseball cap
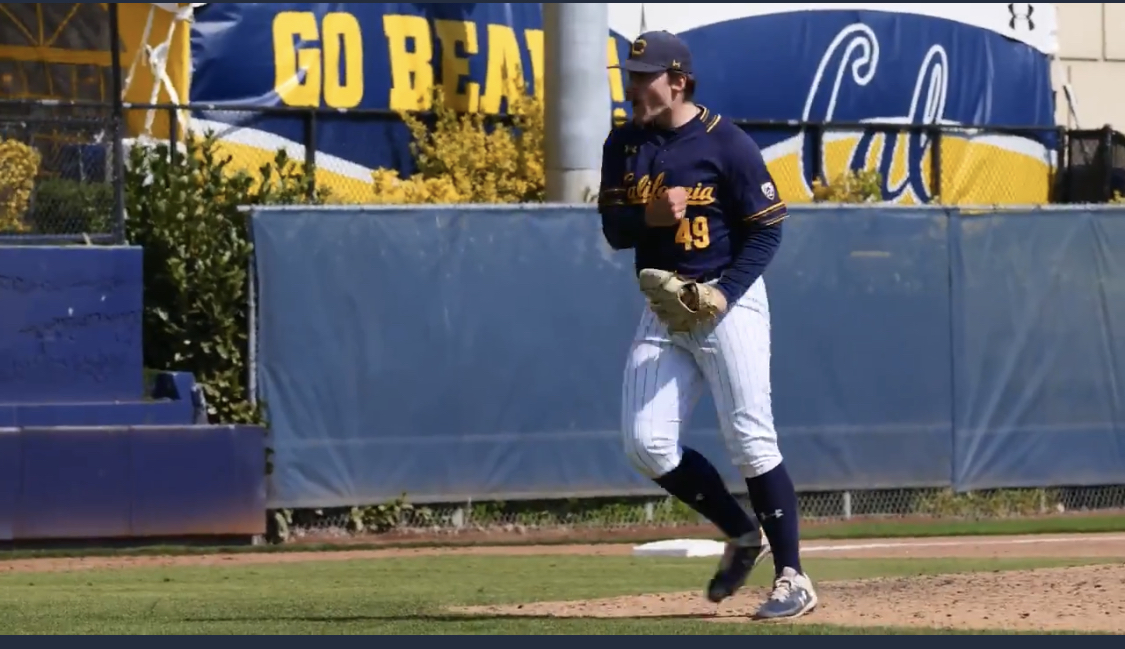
(657,52)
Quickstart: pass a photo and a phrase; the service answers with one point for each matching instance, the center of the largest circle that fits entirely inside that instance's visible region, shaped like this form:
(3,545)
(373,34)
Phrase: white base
(682,548)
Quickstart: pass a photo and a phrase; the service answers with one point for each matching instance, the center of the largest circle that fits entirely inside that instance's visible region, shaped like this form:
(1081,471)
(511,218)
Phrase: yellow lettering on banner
(343,48)
(534,39)
(454,67)
(504,79)
(289,60)
(410,52)
(334,70)
(899,173)
(315,63)
(616,84)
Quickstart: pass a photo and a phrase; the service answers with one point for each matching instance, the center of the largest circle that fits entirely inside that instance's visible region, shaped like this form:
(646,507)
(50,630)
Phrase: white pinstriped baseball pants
(665,375)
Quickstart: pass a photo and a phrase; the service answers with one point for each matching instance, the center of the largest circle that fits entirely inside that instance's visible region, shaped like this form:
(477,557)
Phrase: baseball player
(689,192)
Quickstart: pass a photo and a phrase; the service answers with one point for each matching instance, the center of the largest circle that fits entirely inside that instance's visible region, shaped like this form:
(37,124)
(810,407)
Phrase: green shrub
(61,206)
(185,213)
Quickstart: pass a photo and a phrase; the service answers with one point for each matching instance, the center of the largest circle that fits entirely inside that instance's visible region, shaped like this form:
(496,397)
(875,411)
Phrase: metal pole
(578,108)
(118,128)
(310,152)
(251,319)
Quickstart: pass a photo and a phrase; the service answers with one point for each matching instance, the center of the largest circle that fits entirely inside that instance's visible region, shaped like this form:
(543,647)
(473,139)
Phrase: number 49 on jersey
(693,233)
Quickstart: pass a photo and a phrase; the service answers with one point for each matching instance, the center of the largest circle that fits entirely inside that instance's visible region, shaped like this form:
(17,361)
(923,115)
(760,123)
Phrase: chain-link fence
(1095,166)
(915,163)
(57,179)
(996,165)
(608,518)
(919,163)
(252,136)
(342,148)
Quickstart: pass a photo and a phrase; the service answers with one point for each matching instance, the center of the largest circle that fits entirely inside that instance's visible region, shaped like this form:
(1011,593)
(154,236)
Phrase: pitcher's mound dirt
(1088,598)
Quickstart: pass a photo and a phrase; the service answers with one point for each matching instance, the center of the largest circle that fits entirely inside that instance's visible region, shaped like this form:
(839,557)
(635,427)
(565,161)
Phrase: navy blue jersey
(734,212)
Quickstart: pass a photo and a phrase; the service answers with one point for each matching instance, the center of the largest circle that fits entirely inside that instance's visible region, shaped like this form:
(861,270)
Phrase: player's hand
(668,209)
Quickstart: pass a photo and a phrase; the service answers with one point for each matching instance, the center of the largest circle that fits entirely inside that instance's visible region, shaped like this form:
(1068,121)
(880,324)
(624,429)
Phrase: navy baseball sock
(698,484)
(774,499)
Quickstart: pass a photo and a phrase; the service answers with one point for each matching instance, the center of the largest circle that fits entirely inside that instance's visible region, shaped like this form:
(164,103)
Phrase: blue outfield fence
(1039,349)
(472,352)
(102,482)
(70,319)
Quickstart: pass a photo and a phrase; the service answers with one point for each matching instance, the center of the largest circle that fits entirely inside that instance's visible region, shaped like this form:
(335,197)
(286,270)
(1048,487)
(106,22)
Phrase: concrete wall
(1092,61)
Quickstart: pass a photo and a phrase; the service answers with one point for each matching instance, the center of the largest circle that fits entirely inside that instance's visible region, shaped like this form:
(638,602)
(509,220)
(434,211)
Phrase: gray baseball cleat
(793,596)
(740,557)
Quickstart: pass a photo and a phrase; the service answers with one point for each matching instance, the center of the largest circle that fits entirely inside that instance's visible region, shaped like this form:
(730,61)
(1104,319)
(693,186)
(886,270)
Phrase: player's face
(651,95)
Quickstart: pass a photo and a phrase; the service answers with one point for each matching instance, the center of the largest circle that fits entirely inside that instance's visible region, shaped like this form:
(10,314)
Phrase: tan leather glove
(682,305)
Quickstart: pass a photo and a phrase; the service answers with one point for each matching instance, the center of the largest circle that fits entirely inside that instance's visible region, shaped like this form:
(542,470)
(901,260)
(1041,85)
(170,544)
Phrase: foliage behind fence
(59,176)
(184,209)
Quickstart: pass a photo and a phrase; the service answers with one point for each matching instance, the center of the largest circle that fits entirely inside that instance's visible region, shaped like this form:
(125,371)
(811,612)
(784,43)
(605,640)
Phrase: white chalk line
(975,542)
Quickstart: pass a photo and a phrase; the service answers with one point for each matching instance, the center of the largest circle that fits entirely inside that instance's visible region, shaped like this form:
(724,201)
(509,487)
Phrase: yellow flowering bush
(865,185)
(463,158)
(19,166)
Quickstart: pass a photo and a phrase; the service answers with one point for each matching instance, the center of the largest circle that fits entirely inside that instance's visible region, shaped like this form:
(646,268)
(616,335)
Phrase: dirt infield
(1089,598)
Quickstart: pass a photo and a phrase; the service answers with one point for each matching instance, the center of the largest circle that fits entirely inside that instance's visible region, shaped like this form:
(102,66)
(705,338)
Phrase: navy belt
(705,277)
(709,277)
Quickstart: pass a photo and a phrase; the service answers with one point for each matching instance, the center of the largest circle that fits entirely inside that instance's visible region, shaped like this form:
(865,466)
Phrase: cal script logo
(853,55)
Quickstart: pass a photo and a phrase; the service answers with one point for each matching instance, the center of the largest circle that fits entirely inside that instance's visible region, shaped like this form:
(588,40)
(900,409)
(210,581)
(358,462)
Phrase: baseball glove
(680,304)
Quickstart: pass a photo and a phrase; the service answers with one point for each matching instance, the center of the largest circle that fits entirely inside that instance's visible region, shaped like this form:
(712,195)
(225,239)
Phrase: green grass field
(412,595)
(836,530)
(395,596)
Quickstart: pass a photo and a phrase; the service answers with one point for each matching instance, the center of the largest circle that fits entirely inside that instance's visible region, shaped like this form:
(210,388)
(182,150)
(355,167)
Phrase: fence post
(173,132)
(1105,160)
(251,317)
(310,152)
(818,152)
(118,130)
(935,164)
(1060,185)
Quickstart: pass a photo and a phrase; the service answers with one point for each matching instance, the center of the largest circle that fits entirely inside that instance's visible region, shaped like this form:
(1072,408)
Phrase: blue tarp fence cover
(477,352)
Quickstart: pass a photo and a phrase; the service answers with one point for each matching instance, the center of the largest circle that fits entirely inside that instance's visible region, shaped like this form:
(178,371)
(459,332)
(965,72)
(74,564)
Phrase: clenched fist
(667,209)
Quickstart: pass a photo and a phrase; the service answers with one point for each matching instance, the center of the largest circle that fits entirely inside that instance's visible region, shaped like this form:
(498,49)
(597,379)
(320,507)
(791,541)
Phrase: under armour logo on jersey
(1020,13)
(768,191)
